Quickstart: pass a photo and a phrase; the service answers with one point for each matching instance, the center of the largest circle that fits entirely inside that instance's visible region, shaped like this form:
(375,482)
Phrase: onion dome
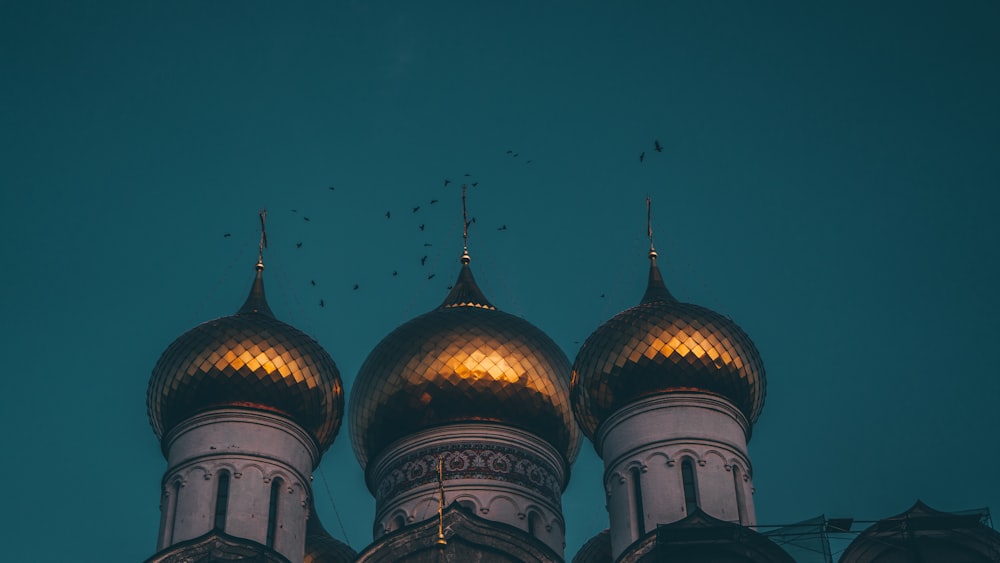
(663,345)
(321,547)
(462,362)
(248,360)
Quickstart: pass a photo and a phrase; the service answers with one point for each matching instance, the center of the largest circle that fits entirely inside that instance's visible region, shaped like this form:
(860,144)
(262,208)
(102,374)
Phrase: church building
(479,414)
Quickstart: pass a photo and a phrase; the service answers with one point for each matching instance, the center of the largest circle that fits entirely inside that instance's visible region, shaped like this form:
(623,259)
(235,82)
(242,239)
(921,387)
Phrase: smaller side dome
(248,360)
(321,547)
(663,345)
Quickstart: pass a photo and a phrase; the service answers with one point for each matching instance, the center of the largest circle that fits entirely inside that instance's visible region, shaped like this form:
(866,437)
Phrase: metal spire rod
(263,238)
(440,539)
(649,226)
(465,228)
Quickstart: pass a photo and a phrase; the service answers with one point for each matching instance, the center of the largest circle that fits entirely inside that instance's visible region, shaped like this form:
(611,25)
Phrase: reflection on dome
(464,361)
(664,345)
(250,360)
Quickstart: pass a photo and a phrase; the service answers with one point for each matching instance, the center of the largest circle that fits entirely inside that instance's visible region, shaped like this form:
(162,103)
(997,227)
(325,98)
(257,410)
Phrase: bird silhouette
(474,184)
(298,245)
(642,156)
(423,260)
(388,215)
(227,235)
(332,188)
(294,210)
(657,145)
(356,286)
(321,303)
(395,273)
(430,277)
(415,209)
(446,182)
(421,227)
(313,282)
(433,201)
(428,244)
(467,174)
(502,228)
(602,296)
(305,218)
(529,162)
(510,151)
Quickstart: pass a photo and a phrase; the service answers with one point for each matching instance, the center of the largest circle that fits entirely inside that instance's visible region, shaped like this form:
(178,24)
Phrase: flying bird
(313,282)
(356,287)
(305,218)
(642,156)
(294,210)
(423,260)
(321,304)
(529,162)
(430,277)
(298,245)
(510,151)
(332,188)
(433,201)
(446,182)
(428,244)
(388,215)
(395,273)
(474,184)
(415,209)
(421,227)
(467,174)
(602,296)
(227,235)
(502,228)
(657,145)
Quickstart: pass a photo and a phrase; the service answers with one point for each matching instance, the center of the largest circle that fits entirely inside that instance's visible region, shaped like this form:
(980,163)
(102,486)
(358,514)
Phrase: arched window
(221,500)
(171,517)
(741,508)
(690,486)
(534,526)
(640,513)
(398,522)
(272,511)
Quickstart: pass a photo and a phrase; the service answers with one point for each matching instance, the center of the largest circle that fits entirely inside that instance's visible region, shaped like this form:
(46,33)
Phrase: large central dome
(462,362)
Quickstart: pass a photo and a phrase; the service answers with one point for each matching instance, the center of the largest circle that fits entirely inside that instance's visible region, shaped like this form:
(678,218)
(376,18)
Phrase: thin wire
(326,485)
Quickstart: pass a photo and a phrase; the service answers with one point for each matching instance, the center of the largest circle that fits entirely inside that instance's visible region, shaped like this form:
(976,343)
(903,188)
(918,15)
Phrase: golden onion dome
(462,362)
(248,360)
(321,547)
(663,345)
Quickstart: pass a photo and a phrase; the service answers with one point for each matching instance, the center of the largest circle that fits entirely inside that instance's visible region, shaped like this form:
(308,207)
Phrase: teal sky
(829,180)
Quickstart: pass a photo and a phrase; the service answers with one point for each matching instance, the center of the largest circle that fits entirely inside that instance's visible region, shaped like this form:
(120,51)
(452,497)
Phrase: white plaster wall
(500,501)
(654,435)
(254,448)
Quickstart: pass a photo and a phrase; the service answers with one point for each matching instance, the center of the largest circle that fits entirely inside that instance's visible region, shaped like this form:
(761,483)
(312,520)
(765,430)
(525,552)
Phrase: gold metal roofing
(664,345)
(464,361)
(249,360)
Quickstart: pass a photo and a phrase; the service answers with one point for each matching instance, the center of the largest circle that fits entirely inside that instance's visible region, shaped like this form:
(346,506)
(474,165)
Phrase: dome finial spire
(465,229)
(656,290)
(649,227)
(263,238)
(256,302)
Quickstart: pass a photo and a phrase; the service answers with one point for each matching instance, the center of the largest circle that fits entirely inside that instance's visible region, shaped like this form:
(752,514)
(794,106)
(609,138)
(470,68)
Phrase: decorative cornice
(469,460)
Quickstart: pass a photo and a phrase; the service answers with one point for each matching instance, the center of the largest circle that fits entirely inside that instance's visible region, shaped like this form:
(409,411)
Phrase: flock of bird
(468,182)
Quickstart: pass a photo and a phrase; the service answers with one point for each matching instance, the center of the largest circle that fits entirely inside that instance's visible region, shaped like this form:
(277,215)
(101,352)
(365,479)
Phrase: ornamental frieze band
(470,461)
